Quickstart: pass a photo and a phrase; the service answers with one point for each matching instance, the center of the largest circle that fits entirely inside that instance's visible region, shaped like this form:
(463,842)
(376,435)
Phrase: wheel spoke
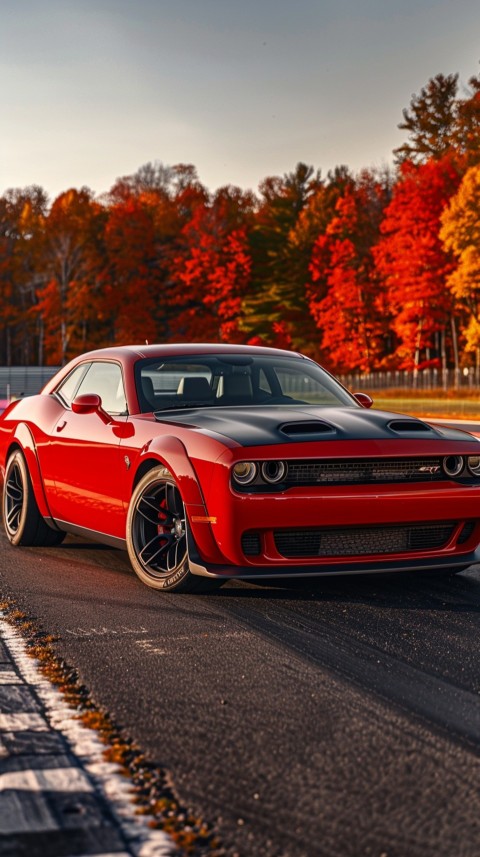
(172,500)
(159,529)
(166,540)
(13,517)
(150,508)
(14,499)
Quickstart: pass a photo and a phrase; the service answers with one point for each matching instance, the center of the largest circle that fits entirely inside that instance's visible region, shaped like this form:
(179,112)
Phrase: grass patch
(444,404)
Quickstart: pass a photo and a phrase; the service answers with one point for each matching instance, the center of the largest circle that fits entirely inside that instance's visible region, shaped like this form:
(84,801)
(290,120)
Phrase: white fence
(426,379)
(18,381)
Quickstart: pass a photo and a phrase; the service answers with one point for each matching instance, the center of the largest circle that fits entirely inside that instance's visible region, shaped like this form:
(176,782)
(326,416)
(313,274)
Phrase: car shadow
(401,591)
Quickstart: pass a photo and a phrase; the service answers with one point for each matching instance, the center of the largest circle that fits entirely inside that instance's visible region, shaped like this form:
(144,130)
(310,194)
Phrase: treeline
(367,271)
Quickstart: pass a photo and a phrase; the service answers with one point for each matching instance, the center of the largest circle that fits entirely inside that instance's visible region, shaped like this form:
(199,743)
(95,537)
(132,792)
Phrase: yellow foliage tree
(460,233)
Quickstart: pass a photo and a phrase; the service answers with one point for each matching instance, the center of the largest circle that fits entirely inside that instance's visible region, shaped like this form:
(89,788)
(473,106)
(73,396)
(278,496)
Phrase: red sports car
(212,462)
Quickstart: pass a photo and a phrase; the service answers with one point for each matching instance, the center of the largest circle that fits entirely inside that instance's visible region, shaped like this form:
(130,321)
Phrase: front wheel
(157,535)
(23,523)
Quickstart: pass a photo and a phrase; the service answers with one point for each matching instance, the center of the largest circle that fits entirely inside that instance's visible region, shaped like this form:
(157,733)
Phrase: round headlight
(273,471)
(244,472)
(473,463)
(453,464)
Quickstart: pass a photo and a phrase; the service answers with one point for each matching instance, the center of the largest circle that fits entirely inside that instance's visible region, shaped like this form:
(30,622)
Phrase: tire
(22,521)
(157,536)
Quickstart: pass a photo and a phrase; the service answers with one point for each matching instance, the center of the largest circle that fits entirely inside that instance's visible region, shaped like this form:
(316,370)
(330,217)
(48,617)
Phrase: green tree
(430,121)
(440,122)
(275,311)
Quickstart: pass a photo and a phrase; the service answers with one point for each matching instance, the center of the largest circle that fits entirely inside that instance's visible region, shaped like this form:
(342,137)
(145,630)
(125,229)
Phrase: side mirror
(363,399)
(87,403)
(90,403)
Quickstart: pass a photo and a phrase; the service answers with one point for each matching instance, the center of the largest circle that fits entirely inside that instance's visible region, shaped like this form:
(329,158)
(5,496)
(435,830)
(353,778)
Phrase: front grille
(364,471)
(356,541)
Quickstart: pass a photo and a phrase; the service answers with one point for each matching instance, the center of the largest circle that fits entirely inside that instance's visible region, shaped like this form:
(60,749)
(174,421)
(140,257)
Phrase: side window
(263,384)
(105,379)
(67,389)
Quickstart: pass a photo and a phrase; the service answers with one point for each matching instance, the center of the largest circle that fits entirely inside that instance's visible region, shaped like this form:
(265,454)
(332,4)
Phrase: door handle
(61,425)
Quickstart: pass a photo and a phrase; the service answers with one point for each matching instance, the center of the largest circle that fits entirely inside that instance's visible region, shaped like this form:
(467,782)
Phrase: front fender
(172,454)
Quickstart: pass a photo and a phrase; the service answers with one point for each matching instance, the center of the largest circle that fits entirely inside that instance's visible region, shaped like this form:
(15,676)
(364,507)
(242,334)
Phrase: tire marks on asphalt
(416,692)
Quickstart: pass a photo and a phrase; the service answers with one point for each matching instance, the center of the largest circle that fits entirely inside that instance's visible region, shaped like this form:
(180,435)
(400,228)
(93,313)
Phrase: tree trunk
(455,353)
(443,347)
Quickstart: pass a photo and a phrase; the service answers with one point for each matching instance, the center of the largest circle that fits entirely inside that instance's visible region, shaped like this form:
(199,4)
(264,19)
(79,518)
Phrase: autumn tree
(147,213)
(72,260)
(211,270)
(132,285)
(460,233)
(414,266)
(22,214)
(344,295)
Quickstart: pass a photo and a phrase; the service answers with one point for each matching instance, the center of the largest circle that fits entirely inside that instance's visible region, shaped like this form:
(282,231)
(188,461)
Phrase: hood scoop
(409,427)
(307,430)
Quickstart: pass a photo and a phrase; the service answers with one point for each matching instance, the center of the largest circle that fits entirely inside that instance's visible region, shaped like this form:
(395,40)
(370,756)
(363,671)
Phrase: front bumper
(218,548)
(292,570)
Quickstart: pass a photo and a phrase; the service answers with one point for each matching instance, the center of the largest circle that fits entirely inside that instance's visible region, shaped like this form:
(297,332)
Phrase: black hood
(260,426)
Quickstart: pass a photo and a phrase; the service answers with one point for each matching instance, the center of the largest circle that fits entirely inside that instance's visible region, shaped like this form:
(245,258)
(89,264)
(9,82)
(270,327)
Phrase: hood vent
(307,430)
(408,426)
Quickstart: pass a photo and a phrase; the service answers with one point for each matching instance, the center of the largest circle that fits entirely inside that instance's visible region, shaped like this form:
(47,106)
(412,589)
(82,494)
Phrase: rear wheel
(23,523)
(157,535)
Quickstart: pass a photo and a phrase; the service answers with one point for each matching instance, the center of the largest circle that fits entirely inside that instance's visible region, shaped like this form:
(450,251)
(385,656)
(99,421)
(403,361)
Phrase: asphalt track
(338,719)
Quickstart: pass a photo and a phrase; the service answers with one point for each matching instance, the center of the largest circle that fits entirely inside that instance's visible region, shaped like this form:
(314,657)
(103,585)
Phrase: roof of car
(172,349)
(129,354)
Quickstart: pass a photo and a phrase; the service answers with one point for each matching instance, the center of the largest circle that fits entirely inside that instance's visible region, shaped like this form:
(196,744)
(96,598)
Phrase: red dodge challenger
(212,462)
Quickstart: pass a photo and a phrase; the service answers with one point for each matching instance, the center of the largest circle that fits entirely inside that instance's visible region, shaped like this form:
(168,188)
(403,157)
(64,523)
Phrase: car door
(89,473)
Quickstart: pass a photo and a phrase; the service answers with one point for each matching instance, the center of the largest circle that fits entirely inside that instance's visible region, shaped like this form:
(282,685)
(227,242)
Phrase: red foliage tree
(413,264)
(343,292)
(211,271)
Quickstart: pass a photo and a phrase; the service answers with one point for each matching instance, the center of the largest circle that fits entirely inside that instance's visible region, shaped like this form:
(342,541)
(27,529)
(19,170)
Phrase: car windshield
(235,379)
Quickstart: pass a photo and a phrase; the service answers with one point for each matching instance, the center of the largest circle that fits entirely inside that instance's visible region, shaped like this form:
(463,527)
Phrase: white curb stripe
(23,723)
(104,854)
(87,748)
(46,780)
(9,677)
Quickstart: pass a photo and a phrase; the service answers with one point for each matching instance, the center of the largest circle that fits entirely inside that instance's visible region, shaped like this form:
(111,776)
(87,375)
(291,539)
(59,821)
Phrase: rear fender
(23,439)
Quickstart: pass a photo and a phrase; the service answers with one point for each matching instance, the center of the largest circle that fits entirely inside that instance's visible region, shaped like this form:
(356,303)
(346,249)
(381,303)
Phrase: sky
(242,89)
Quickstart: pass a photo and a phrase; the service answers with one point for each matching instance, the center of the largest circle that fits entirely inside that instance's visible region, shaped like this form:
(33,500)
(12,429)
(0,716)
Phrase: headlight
(244,472)
(273,471)
(473,464)
(453,464)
